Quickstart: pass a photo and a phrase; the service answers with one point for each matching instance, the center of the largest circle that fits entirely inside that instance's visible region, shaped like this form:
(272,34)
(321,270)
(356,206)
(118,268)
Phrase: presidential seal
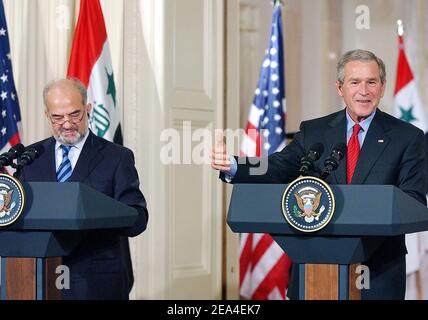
(308,204)
(12,199)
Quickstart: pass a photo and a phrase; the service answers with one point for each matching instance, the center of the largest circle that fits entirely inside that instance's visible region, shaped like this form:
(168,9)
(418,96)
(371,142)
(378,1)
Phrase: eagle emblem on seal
(5,202)
(308,204)
(308,200)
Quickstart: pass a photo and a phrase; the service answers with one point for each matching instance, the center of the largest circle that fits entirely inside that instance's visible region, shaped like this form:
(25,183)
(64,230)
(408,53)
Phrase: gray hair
(74,82)
(359,55)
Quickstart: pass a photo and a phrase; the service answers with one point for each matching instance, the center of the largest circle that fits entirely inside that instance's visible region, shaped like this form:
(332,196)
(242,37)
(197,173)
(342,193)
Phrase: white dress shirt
(73,155)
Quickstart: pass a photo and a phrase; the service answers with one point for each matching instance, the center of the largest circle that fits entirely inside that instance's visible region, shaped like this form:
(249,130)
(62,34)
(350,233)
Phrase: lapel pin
(380,141)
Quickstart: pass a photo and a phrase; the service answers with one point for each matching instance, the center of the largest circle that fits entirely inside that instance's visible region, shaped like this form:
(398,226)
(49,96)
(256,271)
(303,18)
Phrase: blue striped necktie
(64,170)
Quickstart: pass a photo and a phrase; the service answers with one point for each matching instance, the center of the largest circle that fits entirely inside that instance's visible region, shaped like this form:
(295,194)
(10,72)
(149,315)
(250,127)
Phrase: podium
(364,216)
(55,218)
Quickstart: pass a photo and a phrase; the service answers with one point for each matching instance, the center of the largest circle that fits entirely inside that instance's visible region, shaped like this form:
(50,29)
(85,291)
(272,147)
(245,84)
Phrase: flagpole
(400,28)
(277,2)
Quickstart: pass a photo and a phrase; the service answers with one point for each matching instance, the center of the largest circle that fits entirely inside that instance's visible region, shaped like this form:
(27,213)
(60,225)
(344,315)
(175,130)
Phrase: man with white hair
(100,267)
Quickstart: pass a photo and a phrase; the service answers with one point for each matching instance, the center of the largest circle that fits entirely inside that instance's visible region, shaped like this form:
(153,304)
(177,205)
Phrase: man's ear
(88,108)
(339,88)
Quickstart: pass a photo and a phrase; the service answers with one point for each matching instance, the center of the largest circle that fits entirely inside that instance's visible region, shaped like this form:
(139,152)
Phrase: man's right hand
(219,158)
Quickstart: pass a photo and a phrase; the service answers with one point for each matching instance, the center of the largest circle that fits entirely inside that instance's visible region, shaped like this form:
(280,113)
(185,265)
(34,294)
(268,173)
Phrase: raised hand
(219,157)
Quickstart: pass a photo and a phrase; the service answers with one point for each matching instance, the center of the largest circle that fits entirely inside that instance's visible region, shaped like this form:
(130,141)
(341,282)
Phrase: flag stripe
(248,146)
(404,72)
(89,38)
(269,284)
(262,245)
(15,139)
(266,263)
(245,257)
(254,116)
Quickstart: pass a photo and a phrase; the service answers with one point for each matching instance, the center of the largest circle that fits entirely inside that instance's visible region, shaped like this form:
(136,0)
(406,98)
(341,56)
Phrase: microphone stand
(17,171)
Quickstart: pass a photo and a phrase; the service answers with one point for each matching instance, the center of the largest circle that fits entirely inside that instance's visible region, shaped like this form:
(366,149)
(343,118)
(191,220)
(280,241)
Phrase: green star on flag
(407,114)
(111,89)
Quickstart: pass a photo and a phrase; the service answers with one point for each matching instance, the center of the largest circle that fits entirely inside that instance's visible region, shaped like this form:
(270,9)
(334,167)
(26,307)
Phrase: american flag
(10,118)
(263,264)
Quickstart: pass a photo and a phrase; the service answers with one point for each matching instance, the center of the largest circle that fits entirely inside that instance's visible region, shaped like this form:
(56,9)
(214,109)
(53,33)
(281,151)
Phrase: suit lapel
(49,161)
(337,134)
(88,159)
(374,143)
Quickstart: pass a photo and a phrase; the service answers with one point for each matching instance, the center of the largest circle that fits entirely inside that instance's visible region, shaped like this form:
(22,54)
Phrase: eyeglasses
(74,117)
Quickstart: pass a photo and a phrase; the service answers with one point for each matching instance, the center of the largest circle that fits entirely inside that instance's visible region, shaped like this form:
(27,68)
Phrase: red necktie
(353,153)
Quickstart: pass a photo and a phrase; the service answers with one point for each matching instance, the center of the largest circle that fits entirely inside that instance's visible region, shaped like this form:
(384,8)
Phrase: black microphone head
(340,150)
(7,158)
(307,162)
(30,154)
(317,149)
(16,150)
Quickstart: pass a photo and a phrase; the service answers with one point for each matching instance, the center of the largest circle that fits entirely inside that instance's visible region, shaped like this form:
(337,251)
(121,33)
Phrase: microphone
(307,162)
(30,154)
(7,158)
(332,162)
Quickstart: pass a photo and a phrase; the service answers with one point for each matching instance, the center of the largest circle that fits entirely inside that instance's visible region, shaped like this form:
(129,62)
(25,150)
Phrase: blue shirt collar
(365,124)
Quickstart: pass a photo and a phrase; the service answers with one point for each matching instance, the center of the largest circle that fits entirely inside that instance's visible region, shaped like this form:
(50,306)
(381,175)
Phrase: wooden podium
(365,215)
(55,219)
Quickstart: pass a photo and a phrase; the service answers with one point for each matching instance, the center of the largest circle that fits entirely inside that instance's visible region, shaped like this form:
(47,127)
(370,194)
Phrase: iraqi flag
(90,62)
(408,104)
(408,107)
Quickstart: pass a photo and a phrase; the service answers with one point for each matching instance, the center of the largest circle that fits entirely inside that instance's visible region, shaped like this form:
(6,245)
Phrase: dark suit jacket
(399,160)
(100,267)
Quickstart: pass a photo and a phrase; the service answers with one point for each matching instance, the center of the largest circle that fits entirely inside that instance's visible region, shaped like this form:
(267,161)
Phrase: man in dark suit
(100,267)
(381,150)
